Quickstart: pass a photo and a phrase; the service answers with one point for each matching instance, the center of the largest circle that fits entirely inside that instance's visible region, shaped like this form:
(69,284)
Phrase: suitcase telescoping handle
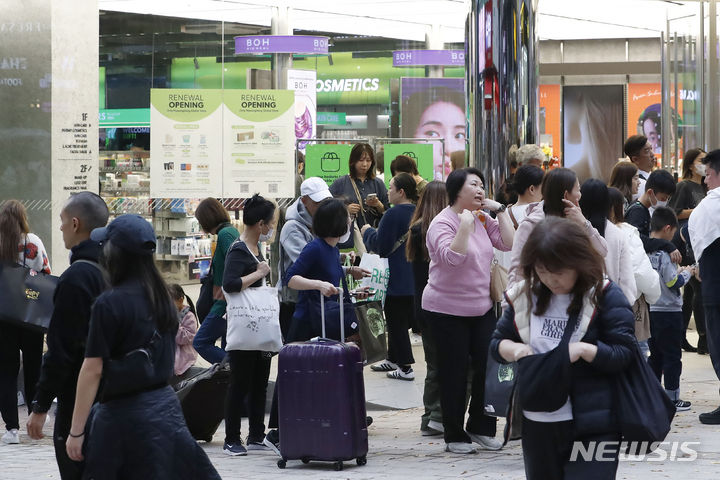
(342,314)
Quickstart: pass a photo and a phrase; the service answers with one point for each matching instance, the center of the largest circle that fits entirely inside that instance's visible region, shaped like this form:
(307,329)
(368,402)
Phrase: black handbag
(500,381)
(644,410)
(544,379)
(26,297)
(141,369)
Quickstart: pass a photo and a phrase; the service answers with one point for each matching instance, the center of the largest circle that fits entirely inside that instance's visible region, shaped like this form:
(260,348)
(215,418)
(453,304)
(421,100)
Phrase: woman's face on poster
(443,120)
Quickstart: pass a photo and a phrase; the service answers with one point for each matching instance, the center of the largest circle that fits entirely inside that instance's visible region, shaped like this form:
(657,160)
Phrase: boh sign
(259,44)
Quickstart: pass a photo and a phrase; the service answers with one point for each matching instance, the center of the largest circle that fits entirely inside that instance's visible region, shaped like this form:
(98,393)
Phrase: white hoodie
(646,279)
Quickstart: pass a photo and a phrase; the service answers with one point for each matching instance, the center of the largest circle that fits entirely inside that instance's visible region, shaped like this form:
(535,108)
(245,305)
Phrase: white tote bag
(379,275)
(253,319)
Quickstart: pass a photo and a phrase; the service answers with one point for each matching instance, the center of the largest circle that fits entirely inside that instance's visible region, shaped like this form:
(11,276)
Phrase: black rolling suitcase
(202,399)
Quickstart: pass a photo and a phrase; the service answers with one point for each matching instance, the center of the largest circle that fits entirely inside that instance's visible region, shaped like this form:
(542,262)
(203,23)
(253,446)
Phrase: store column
(281,62)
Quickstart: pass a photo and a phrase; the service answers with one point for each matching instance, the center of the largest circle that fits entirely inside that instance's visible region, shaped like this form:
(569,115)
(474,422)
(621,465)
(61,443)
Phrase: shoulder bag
(253,318)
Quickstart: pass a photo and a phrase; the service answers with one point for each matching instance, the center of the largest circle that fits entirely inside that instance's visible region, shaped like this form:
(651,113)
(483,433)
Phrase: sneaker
(11,437)
(401,374)
(235,449)
(430,432)
(436,426)
(460,447)
(272,441)
(711,418)
(687,347)
(682,405)
(256,443)
(368,421)
(384,366)
(486,443)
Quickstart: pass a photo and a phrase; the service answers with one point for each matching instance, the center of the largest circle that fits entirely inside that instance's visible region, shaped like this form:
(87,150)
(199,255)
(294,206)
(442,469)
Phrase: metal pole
(712,80)
(700,79)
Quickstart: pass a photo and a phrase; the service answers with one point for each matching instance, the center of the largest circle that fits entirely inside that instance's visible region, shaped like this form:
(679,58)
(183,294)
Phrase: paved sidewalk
(397,450)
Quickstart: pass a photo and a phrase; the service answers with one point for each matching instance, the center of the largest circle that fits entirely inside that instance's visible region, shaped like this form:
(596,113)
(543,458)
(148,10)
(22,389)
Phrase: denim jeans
(212,328)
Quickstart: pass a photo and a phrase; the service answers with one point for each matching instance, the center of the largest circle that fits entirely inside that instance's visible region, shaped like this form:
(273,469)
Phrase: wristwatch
(502,208)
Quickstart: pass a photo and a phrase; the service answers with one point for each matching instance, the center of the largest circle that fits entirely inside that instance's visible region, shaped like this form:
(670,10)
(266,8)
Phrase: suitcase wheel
(338,466)
(361,460)
(305,460)
(281,463)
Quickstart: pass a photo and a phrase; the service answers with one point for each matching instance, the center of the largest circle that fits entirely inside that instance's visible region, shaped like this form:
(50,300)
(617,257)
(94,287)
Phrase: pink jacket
(535,215)
(185,354)
(460,284)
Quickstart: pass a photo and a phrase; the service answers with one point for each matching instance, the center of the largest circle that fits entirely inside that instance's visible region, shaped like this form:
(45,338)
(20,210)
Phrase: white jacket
(618,261)
(646,279)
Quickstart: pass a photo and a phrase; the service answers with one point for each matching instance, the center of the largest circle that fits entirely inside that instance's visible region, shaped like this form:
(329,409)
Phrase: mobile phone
(369,292)
(371,195)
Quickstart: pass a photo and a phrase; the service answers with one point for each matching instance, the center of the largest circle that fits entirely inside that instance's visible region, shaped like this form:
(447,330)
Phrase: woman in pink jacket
(185,354)
(456,303)
(561,198)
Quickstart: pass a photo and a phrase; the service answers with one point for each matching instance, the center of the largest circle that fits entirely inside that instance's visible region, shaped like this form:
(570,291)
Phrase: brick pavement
(398,451)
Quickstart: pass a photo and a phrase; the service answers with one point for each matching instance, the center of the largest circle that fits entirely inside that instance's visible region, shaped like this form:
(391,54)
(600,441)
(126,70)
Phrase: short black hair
(456,180)
(661,181)
(403,163)
(661,218)
(712,160)
(258,208)
(330,219)
(89,208)
(525,177)
(634,145)
(406,182)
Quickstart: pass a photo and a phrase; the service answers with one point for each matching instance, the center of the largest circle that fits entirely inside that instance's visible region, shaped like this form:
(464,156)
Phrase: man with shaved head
(75,293)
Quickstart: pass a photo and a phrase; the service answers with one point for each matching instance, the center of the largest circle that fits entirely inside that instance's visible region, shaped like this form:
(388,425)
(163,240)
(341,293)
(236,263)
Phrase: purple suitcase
(321,402)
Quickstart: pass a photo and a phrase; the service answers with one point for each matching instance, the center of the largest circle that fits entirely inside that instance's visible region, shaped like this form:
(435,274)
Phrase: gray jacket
(670,282)
(295,234)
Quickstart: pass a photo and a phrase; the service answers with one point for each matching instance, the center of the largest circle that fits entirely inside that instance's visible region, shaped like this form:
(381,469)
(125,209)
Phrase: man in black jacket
(75,293)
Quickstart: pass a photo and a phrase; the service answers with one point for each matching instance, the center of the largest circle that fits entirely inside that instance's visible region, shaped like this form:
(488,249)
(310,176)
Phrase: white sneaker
(436,426)
(399,374)
(460,447)
(384,366)
(486,443)
(11,437)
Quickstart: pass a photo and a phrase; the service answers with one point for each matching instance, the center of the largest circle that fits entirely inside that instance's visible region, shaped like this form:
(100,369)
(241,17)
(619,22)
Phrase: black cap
(129,232)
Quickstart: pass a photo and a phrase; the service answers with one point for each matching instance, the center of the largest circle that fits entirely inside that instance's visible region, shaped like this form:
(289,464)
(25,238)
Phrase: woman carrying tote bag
(245,271)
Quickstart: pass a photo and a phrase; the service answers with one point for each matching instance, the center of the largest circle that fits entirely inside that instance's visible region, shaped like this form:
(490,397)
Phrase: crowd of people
(594,270)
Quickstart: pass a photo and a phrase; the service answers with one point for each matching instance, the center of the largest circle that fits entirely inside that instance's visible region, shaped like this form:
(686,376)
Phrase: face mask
(264,237)
(660,204)
(346,237)
(700,169)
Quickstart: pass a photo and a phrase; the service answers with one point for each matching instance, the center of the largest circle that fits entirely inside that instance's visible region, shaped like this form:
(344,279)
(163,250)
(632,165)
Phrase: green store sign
(328,161)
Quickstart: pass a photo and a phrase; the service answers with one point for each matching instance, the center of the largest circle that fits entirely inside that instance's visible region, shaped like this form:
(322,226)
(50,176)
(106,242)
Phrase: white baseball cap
(315,188)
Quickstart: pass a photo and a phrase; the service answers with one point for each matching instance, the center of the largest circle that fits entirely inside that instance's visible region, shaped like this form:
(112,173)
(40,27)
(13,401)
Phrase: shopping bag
(644,410)
(372,330)
(379,275)
(253,320)
(499,384)
(26,297)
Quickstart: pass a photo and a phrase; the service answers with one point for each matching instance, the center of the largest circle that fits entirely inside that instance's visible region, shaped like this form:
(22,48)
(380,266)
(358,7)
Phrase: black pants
(398,315)
(666,347)
(69,469)
(458,338)
(13,340)
(712,327)
(693,305)
(249,372)
(547,449)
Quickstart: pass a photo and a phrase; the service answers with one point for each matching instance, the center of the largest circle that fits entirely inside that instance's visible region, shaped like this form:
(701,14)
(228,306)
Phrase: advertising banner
(259,143)
(593,129)
(550,100)
(402,58)
(434,108)
(644,114)
(421,153)
(186,143)
(303,83)
(328,161)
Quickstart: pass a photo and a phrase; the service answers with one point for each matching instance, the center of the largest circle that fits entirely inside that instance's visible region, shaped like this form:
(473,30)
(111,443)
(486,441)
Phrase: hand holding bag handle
(342,314)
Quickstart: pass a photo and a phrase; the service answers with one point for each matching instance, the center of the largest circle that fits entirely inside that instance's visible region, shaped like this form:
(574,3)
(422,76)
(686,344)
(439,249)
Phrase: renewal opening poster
(259,145)
(186,143)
